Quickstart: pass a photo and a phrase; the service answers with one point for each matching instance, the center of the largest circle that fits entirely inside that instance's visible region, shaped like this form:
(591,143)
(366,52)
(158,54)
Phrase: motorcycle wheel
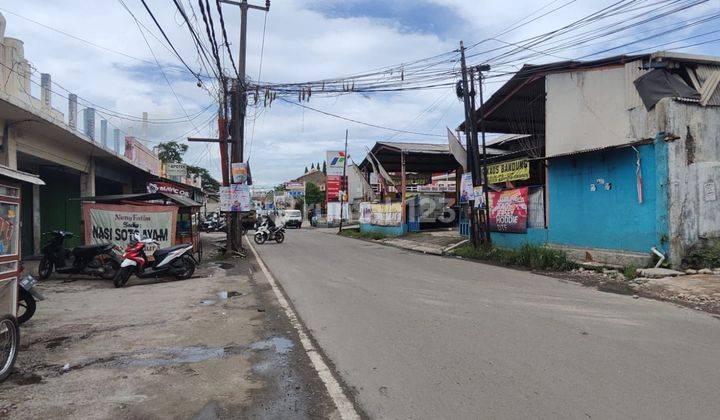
(259,238)
(26,306)
(279,237)
(9,344)
(111,268)
(45,268)
(122,277)
(188,268)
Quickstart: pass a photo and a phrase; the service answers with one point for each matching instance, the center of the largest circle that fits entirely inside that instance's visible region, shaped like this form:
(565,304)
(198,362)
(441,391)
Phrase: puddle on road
(281,345)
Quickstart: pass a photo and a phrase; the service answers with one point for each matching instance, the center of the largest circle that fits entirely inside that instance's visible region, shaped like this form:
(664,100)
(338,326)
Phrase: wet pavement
(215,346)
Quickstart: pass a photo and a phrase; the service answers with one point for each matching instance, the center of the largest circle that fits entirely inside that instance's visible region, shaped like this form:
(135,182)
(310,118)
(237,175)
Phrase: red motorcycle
(176,260)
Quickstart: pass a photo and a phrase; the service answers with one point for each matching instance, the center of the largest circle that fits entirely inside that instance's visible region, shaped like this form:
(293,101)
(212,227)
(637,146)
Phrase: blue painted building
(627,170)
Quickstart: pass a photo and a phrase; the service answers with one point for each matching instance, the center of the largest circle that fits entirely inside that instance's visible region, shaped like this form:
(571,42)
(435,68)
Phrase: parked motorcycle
(100,260)
(265,233)
(141,260)
(9,344)
(27,299)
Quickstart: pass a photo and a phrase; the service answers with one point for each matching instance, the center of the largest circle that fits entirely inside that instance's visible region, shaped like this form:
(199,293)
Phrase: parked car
(292,218)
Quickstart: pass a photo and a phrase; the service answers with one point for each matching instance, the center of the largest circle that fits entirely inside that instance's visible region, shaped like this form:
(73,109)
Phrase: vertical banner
(365,212)
(509,210)
(333,187)
(466,187)
(335,162)
(239,172)
(235,198)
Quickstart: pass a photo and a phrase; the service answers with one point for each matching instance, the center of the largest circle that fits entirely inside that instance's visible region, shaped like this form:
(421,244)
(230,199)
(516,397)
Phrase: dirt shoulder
(163,349)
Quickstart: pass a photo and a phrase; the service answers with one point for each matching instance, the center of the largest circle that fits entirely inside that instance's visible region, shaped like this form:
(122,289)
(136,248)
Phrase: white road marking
(343,404)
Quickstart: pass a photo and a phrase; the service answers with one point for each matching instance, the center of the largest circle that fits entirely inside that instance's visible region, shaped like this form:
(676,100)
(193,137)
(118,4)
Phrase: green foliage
(172,152)
(306,169)
(313,195)
(312,166)
(208,182)
(299,203)
(355,233)
(279,187)
(324,167)
(529,256)
(703,256)
(630,272)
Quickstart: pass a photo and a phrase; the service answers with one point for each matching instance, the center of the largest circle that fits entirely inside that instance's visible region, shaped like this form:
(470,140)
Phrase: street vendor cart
(10,263)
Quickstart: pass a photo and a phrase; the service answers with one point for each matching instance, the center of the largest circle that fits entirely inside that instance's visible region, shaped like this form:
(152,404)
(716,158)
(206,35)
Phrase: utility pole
(486,190)
(472,148)
(345,186)
(239,104)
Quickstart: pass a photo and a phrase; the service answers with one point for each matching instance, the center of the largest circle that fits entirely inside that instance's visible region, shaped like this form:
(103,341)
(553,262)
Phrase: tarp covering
(660,83)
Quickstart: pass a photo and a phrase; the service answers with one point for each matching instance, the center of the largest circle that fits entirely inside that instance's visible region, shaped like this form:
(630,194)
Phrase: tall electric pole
(239,105)
(472,148)
(344,183)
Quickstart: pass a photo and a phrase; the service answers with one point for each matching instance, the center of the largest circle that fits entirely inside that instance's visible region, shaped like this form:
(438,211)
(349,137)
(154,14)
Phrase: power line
(360,122)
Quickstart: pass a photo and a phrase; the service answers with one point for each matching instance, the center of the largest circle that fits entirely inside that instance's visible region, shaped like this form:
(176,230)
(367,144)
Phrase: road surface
(419,336)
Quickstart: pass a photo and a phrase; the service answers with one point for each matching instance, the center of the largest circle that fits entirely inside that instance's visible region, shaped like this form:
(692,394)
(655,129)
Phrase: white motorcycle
(265,233)
(145,261)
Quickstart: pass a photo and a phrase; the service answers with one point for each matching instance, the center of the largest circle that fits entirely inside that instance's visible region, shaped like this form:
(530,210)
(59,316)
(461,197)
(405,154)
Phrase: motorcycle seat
(162,252)
(91,249)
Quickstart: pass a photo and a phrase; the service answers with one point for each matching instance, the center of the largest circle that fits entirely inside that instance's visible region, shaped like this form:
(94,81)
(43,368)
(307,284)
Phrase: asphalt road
(419,336)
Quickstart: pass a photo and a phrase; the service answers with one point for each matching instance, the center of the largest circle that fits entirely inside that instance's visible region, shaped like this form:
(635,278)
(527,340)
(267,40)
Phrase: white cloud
(301,44)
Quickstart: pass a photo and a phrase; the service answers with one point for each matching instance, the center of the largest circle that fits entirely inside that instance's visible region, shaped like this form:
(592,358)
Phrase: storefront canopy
(157,196)
(419,157)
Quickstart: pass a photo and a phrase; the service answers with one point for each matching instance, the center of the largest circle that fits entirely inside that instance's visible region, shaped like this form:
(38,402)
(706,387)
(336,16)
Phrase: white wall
(586,110)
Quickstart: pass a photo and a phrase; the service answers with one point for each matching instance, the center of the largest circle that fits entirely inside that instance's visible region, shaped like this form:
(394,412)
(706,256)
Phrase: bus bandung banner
(116,223)
(514,170)
(509,210)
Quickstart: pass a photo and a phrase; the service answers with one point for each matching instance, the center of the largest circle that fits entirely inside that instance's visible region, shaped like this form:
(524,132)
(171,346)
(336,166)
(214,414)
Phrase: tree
(312,166)
(209,183)
(306,169)
(172,152)
(299,203)
(313,195)
(325,167)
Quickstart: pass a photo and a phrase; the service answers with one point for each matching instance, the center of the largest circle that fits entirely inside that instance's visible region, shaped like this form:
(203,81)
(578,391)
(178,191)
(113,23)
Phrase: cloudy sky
(304,40)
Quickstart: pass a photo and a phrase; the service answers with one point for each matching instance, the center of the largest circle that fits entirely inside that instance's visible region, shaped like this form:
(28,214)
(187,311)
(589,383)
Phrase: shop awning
(180,200)
(20,175)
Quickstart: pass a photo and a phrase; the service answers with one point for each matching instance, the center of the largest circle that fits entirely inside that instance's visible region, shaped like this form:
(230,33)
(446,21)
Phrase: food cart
(182,227)
(9,263)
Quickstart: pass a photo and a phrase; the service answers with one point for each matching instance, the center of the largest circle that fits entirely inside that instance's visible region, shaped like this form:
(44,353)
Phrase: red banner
(334,185)
(509,210)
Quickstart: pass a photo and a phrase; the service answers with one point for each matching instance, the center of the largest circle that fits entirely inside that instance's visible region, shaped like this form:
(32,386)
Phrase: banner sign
(236,197)
(509,210)
(333,211)
(117,223)
(335,163)
(239,172)
(365,212)
(334,185)
(167,187)
(479,197)
(388,214)
(175,169)
(513,170)
(466,187)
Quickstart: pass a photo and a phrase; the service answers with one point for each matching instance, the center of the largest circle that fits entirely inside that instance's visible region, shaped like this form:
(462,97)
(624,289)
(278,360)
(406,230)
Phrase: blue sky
(304,40)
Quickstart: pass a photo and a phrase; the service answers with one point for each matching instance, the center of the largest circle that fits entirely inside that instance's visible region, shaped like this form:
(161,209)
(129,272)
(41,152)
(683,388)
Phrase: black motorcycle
(102,260)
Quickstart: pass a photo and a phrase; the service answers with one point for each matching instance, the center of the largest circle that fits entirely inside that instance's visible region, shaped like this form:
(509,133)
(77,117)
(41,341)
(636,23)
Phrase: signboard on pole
(239,172)
(466,187)
(365,212)
(333,188)
(509,210)
(235,198)
(514,170)
(175,169)
(117,223)
(335,162)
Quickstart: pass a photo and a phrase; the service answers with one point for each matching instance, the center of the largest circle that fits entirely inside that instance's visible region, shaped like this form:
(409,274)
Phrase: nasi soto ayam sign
(117,223)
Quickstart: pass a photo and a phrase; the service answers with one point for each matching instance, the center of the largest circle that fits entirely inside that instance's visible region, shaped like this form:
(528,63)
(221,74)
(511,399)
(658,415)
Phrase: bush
(703,256)
(355,233)
(529,256)
(630,272)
